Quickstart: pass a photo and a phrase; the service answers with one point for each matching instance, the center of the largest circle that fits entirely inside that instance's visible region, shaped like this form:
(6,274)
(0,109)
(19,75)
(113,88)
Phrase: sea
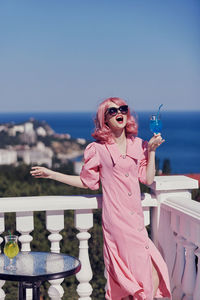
(181,131)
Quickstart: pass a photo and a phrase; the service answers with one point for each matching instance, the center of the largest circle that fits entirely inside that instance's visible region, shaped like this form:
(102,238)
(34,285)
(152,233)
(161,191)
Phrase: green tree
(166,167)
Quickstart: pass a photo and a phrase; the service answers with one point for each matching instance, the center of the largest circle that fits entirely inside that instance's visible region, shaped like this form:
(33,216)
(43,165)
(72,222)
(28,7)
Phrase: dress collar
(132,150)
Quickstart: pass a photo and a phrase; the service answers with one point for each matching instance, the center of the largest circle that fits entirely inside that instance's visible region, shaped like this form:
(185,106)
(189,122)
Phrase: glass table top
(33,266)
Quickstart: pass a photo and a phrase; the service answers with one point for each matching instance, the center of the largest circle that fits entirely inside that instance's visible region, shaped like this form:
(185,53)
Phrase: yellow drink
(11,249)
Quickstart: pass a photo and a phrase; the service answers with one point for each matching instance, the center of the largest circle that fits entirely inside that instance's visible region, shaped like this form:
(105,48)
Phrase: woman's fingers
(155,142)
(38,172)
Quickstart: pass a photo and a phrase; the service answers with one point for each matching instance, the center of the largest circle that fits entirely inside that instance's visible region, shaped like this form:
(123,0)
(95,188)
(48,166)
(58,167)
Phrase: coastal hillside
(35,142)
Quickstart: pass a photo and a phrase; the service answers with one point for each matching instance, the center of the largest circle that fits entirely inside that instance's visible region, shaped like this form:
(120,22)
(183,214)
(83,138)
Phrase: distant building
(41,131)
(81,141)
(29,136)
(15,129)
(36,155)
(8,157)
(28,127)
(3,128)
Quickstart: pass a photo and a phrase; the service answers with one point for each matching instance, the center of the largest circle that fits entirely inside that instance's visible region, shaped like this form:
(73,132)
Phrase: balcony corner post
(164,187)
(83,222)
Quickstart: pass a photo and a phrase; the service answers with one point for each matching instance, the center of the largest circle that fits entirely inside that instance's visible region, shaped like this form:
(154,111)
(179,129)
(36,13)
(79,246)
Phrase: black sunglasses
(112,111)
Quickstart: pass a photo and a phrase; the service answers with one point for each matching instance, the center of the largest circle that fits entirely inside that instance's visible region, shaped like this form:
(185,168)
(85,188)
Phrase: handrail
(47,203)
(183,206)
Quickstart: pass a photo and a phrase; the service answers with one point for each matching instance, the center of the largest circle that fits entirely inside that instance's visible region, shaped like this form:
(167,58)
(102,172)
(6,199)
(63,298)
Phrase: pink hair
(102,132)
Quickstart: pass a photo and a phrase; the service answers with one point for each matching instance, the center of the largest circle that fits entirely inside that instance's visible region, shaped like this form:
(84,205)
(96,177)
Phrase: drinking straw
(9,233)
(158,112)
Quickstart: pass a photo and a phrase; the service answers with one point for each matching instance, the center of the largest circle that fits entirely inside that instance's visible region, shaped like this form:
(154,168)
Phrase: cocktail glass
(11,249)
(155,124)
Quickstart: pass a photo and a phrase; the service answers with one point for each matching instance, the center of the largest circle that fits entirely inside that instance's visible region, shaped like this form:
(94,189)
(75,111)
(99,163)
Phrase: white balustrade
(181,216)
(175,229)
(54,207)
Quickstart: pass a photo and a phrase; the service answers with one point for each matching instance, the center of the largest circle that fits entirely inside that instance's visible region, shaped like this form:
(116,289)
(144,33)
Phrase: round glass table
(34,267)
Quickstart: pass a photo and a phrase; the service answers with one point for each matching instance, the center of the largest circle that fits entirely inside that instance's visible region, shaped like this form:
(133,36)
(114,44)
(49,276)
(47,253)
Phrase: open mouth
(119,119)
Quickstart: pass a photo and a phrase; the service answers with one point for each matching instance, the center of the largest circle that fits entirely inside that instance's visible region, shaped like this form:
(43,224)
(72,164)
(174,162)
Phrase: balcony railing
(173,216)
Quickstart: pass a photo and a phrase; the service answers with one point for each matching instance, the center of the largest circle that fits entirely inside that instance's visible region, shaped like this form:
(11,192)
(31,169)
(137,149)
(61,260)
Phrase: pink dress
(128,252)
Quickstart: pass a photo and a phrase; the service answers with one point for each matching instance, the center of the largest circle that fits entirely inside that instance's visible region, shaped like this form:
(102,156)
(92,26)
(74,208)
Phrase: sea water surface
(181,131)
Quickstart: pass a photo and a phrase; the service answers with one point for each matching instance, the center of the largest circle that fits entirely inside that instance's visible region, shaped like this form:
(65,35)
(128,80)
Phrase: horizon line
(90,111)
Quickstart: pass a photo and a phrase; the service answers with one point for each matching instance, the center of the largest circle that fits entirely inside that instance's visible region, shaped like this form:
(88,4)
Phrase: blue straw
(158,112)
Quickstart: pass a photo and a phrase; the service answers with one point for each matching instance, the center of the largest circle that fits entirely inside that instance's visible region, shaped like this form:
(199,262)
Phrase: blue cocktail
(155,124)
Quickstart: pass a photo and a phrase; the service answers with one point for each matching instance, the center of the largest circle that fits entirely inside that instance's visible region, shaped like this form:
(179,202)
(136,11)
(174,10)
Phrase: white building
(29,135)
(8,157)
(81,141)
(3,128)
(28,127)
(16,128)
(36,155)
(41,131)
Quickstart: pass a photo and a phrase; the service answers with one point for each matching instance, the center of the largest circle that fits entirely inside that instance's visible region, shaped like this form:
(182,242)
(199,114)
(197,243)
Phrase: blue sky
(69,55)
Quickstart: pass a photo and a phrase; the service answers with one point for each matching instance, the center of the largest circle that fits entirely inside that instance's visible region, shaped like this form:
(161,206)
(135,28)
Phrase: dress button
(132,212)
(126,174)
(123,156)
(129,193)
(147,247)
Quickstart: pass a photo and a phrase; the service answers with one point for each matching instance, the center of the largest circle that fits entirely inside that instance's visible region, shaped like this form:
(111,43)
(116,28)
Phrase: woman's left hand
(155,142)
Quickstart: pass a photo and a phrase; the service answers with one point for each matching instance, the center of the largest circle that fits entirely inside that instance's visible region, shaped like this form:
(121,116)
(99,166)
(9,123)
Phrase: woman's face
(116,122)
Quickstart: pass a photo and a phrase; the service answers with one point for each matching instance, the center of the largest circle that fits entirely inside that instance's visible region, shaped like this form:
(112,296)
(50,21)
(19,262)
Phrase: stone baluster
(197,285)
(2,229)
(25,224)
(54,224)
(189,276)
(83,222)
(2,293)
(178,268)
(167,244)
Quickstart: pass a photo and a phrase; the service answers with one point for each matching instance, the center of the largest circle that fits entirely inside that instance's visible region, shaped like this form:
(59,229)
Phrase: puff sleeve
(90,171)
(143,162)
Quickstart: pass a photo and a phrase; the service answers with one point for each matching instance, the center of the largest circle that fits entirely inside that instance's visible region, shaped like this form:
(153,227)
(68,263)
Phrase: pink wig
(102,132)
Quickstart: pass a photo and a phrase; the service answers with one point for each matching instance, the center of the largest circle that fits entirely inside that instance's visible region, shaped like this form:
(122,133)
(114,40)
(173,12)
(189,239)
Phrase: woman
(119,160)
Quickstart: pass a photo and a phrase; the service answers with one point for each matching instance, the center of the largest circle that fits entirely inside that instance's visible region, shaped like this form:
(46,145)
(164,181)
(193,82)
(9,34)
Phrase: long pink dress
(128,252)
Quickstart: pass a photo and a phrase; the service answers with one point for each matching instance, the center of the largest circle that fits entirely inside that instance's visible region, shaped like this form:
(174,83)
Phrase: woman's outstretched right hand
(41,172)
